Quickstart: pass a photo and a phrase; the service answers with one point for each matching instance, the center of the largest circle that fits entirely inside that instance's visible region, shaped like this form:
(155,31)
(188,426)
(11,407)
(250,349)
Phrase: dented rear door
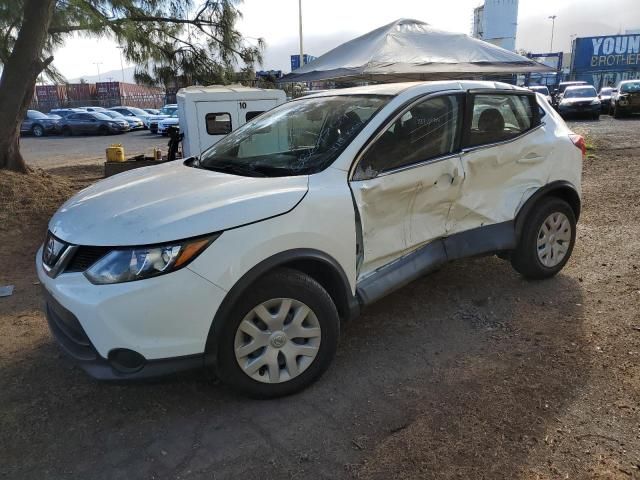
(507,153)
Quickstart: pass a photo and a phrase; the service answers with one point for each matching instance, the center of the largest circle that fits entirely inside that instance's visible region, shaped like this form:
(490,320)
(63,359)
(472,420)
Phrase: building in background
(496,22)
(605,60)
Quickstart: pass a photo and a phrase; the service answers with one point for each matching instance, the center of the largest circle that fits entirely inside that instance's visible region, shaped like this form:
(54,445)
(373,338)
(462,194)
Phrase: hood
(170,202)
(170,121)
(157,117)
(579,99)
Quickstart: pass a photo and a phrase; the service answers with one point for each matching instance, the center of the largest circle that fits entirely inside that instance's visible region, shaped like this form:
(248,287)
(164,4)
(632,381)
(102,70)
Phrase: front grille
(85,257)
(153,125)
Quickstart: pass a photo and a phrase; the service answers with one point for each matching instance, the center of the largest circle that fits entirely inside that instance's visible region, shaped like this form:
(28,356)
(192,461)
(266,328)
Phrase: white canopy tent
(407,50)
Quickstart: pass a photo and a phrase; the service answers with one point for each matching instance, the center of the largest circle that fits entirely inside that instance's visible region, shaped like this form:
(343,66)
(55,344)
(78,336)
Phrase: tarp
(412,50)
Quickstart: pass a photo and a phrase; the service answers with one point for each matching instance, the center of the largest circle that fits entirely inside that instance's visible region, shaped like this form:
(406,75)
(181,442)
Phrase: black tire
(524,258)
(596,116)
(38,131)
(281,283)
(103,130)
(67,132)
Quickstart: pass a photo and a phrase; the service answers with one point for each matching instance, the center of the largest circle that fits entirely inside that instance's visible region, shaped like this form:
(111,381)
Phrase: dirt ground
(57,151)
(471,372)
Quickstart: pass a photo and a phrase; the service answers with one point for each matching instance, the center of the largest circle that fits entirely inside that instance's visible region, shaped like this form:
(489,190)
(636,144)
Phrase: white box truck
(207,114)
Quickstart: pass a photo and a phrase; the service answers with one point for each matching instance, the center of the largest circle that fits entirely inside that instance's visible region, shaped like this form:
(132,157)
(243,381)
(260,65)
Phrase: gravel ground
(57,151)
(471,372)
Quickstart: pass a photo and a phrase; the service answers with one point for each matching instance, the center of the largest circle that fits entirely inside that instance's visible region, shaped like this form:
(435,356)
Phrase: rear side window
(251,115)
(500,117)
(218,123)
(426,131)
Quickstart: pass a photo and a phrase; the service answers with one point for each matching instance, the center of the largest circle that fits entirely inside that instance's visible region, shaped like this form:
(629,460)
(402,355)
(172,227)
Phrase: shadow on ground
(474,352)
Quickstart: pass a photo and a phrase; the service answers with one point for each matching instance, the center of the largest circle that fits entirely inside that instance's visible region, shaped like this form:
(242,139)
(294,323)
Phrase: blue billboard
(295,61)
(606,60)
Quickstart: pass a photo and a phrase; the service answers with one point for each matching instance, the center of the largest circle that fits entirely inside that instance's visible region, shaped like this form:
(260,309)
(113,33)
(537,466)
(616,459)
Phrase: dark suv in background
(626,98)
(91,123)
(38,124)
(579,100)
(562,86)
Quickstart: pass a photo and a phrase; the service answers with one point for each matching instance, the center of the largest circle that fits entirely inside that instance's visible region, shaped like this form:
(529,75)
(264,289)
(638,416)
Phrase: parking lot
(57,151)
(471,372)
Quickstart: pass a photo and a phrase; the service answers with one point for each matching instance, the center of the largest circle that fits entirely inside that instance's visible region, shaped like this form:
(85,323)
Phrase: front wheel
(280,337)
(546,241)
(37,131)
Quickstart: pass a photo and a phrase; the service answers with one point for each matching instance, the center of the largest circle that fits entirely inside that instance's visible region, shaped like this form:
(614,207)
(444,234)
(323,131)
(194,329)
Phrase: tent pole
(300,25)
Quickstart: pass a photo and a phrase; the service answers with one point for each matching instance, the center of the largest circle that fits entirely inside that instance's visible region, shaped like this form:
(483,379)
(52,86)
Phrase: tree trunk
(19,77)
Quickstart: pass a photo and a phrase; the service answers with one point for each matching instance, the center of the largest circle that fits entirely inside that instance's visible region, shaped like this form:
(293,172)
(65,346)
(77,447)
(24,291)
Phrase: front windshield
(606,91)
(631,87)
(580,92)
(298,138)
(112,114)
(168,110)
(100,116)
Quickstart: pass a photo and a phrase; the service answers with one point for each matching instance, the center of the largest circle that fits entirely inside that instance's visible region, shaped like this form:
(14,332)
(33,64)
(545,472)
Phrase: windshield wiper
(233,168)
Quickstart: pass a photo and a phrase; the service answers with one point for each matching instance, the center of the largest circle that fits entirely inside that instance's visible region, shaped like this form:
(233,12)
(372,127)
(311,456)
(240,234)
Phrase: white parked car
(153,121)
(247,259)
(163,125)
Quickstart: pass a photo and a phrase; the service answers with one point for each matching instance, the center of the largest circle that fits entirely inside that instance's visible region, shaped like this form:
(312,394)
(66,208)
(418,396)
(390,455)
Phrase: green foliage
(166,39)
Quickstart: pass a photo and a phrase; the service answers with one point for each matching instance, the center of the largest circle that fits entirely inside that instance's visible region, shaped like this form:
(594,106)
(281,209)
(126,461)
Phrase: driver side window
(426,131)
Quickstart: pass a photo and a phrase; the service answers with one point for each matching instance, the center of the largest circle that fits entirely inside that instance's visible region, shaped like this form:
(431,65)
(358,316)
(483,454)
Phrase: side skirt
(426,259)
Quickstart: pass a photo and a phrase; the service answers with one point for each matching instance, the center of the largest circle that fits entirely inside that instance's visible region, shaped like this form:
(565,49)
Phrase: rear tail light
(578,141)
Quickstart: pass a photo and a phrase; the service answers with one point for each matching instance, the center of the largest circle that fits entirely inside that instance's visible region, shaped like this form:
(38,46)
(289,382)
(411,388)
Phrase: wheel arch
(318,265)
(559,189)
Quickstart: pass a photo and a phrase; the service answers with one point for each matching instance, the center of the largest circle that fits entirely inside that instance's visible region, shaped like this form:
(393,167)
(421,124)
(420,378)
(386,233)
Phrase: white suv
(246,260)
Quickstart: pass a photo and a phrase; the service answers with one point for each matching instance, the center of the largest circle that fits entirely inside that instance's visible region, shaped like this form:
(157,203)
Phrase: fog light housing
(126,361)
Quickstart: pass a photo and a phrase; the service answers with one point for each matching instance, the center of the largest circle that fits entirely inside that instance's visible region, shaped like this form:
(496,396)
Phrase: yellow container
(115,153)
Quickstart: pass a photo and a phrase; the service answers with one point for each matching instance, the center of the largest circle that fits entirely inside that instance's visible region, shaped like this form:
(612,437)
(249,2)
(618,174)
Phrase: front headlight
(595,102)
(137,263)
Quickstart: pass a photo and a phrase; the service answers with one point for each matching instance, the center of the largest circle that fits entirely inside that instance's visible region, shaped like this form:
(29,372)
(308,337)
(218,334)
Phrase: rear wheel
(546,241)
(280,337)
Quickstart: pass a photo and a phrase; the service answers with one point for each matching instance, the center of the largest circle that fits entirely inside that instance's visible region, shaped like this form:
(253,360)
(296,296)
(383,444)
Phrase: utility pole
(97,64)
(553,26)
(120,47)
(300,24)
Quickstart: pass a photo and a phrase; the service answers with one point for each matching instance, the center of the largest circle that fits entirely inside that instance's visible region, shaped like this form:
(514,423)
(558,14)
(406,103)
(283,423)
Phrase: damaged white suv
(246,260)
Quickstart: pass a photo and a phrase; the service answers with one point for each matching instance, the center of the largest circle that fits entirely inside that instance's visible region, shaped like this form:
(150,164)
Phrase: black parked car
(626,98)
(579,100)
(562,86)
(605,98)
(91,123)
(38,124)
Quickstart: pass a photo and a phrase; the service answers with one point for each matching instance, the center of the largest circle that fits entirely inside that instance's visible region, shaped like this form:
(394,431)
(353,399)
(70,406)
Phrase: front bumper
(165,320)
(579,109)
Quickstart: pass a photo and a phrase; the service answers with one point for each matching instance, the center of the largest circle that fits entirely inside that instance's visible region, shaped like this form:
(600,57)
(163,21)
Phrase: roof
(424,87)
(231,92)
(412,50)
(221,89)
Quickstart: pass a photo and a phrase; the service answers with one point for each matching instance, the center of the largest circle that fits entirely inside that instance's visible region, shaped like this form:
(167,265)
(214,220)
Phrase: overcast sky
(327,23)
